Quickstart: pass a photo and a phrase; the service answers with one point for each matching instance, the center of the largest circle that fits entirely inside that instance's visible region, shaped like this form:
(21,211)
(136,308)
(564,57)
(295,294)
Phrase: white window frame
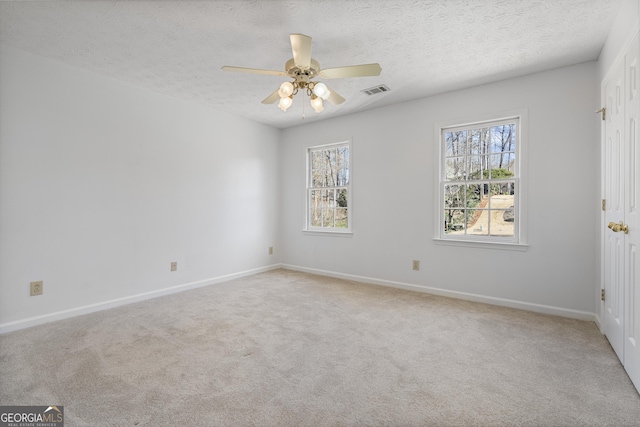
(519,240)
(337,231)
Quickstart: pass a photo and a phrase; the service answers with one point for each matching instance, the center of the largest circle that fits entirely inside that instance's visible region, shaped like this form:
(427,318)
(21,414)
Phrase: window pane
(327,218)
(503,138)
(317,178)
(317,169)
(332,167)
(499,226)
(316,217)
(316,198)
(484,194)
(454,196)
(454,221)
(478,141)
(509,162)
(456,143)
(341,218)
(328,200)
(478,167)
(478,222)
(343,166)
(494,163)
(502,195)
(473,195)
(509,215)
(502,209)
(455,169)
(504,162)
(341,197)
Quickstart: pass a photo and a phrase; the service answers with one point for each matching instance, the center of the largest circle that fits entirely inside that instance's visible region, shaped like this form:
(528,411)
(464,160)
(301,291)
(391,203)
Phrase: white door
(621,236)
(613,314)
(631,358)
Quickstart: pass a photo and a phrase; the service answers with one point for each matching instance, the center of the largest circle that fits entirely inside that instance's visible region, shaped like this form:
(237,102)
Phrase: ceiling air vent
(376,89)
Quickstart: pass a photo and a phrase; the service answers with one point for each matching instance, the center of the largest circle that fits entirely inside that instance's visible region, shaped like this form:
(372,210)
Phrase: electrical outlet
(270,250)
(174,266)
(36,288)
(416,265)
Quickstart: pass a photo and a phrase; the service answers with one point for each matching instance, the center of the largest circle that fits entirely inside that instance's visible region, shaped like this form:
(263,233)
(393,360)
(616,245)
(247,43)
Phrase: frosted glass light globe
(316,103)
(321,90)
(285,90)
(285,103)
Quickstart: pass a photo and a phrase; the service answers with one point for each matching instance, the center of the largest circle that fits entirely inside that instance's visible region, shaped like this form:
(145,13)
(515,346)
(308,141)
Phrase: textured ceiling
(424,47)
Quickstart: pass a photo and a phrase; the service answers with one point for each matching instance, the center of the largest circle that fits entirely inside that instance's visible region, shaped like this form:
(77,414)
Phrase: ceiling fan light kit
(302,68)
(315,91)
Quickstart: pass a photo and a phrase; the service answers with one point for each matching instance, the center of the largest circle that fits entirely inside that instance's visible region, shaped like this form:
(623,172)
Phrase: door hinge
(604,204)
(602,295)
(604,113)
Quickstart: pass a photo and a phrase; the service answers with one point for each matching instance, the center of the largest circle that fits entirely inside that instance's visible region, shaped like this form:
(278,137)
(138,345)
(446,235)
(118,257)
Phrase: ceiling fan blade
(254,71)
(271,99)
(301,47)
(334,97)
(351,71)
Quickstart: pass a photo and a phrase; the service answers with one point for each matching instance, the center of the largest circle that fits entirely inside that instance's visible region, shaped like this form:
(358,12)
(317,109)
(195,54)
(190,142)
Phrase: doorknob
(618,227)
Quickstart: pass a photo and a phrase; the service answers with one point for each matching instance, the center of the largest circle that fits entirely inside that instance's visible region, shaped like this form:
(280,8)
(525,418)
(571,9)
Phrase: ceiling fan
(302,68)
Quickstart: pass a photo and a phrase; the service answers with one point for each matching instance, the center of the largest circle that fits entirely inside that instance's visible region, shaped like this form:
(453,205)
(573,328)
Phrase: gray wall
(103,184)
(394,180)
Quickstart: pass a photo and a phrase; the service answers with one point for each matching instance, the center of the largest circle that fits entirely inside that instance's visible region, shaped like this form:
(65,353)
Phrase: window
(329,188)
(480,182)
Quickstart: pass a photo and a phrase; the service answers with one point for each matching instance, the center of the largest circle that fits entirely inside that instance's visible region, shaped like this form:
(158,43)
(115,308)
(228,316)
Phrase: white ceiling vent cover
(376,89)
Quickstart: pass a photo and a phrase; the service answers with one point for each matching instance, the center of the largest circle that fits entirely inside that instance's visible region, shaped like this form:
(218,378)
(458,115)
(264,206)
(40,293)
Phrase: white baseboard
(78,311)
(598,322)
(538,308)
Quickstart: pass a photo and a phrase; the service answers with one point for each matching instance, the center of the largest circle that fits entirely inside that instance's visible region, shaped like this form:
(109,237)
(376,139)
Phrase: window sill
(484,245)
(332,233)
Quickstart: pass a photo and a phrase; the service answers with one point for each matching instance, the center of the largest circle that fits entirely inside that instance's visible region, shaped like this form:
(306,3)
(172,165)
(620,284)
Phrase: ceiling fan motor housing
(302,74)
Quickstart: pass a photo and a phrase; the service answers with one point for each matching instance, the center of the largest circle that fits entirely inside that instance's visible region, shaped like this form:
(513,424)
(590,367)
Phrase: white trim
(521,305)
(486,244)
(599,324)
(603,194)
(92,308)
(329,232)
(623,50)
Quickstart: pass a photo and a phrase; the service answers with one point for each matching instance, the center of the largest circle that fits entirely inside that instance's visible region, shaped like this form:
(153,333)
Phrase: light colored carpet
(285,348)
